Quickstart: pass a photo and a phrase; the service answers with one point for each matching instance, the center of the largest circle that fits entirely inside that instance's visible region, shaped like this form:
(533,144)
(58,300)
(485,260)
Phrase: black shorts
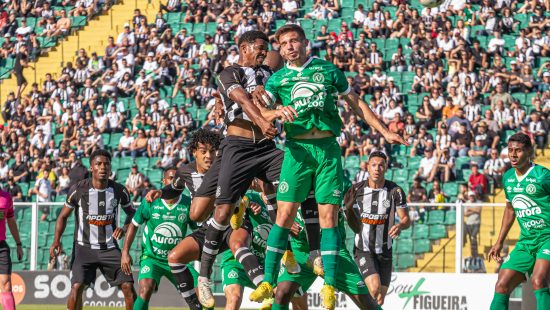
(239,161)
(5,258)
(371,263)
(85,262)
(20,78)
(200,233)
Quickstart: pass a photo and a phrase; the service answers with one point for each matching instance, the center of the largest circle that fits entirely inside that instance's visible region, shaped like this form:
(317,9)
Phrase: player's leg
(284,293)
(350,280)
(149,277)
(299,302)
(541,275)
(202,204)
(511,274)
(186,251)
(310,213)
(83,273)
(74,301)
(234,296)
(239,243)
(6,295)
(109,265)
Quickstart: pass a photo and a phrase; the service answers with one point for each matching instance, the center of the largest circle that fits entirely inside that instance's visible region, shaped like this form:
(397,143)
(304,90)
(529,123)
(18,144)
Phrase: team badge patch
(283,187)
(531,189)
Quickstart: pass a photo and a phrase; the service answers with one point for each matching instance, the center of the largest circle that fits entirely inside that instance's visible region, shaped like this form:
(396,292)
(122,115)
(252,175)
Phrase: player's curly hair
(100,152)
(251,37)
(522,138)
(204,136)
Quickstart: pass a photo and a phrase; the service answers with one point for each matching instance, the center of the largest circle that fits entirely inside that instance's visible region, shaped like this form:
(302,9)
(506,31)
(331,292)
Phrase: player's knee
(283,295)
(233,301)
(502,287)
(146,291)
(5,285)
(538,281)
(127,289)
(77,288)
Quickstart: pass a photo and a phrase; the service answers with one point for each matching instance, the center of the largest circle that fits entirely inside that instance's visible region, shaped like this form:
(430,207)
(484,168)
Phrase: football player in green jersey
(312,155)
(527,190)
(166,225)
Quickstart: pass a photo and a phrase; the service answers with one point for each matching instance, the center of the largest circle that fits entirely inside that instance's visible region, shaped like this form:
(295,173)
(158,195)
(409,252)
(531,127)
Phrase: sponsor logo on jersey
(155,216)
(283,187)
(259,239)
(525,207)
(546,252)
(100,219)
(374,219)
(511,180)
(531,189)
(532,180)
(509,189)
(308,95)
(145,269)
(232,274)
(167,234)
(168,217)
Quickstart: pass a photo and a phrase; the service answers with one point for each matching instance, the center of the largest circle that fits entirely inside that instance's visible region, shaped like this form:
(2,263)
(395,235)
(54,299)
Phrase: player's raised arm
(507,221)
(364,111)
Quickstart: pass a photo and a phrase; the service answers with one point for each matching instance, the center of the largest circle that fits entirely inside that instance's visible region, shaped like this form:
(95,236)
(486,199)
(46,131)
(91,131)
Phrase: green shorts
(524,256)
(233,273)
(312,164)
(150,268)
(349,278)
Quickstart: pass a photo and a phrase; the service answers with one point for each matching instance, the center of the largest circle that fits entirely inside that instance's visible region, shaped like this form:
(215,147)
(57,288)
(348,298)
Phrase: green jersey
(529,194)
(262,226)
(312,90)
(165,226)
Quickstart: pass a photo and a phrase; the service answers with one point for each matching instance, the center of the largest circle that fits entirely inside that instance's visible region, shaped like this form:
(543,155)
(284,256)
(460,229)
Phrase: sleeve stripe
(69,206)
(135,223)
(347,91)
(401,206)
(232,88)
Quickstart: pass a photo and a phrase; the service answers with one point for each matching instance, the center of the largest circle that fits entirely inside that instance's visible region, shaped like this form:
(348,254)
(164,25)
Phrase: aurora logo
(305,90)
(167,233)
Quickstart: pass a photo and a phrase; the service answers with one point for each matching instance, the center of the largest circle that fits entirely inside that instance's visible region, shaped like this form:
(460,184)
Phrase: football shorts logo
(167,233)
(145,269)
(318,78)
(218,191)
(362,261)
(336,193)
(531,189)
(283,187)
(233,275)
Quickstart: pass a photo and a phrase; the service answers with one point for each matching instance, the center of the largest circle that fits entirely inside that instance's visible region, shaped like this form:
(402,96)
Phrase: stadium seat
(420,231)
(405,261)
(404,246)
(450,188)
(436,217)
(450,217)
(422,246)
(437,232)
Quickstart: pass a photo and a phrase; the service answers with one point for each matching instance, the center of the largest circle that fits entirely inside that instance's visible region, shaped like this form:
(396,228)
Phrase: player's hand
(268,129)
(256,208)
(286,114)
(494,253)
(153,195)
(394,138)
(20,252)
(218,108)
(55,249)
(126,263)
(395,231)
(260,96)
(295,229)
(118,233)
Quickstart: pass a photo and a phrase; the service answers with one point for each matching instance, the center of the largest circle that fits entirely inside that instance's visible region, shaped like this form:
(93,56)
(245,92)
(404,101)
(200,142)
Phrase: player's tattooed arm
(507,222)
(352,214)
(362,110)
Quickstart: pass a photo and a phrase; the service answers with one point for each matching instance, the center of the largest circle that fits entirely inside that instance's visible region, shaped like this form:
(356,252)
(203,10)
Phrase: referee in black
(370,210)
(96,201)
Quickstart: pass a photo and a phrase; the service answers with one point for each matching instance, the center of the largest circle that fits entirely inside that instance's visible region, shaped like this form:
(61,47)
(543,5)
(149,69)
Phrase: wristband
(19,244)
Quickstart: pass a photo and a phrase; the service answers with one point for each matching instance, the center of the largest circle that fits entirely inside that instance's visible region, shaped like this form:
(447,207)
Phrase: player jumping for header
(527,190)
(312,156)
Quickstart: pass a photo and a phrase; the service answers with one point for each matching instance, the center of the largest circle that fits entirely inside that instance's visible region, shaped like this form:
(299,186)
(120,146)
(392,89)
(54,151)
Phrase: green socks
(276,247)
(276,306)
(543,298)
(379,307)
(500,301)
(330,241)
(141,304)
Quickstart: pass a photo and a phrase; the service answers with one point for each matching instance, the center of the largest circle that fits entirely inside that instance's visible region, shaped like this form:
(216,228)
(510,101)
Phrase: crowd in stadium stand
(453,80)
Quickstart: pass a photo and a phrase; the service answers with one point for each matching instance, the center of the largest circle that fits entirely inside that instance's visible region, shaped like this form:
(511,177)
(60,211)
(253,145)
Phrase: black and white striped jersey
(236,76)
(188,176)
(96,212)
(377,213)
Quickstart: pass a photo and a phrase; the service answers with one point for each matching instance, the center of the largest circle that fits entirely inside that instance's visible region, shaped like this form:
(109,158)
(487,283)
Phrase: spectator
(63,182)
(43,191)
(478,182)
(472,223)
(495,167)
(135,183)
(417,193)
(427,165)
(14,190)
(362,174)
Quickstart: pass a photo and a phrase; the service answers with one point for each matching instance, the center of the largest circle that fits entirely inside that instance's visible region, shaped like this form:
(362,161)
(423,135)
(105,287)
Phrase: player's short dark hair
(168,169)
(100,152)
(522,138)
(290,28)
(379,154)
(251,36)
(204,136)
